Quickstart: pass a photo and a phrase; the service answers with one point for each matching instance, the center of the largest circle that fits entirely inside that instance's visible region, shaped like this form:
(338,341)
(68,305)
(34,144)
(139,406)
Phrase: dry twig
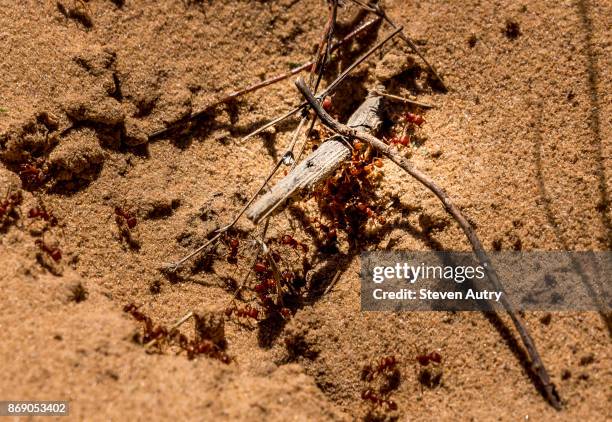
(391,153)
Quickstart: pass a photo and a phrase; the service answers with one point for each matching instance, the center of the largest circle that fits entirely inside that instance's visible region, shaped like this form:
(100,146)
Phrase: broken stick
(321,163)
(537,363)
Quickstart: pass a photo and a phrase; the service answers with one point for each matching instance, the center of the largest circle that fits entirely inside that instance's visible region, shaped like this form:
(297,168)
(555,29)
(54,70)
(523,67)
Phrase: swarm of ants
(382,376)
(276,279)
(155,335)
(347,199)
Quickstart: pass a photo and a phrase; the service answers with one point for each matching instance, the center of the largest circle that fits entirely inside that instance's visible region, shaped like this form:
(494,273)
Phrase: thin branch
(391,153)
(331,86)
(273,122)
(404,100)
(323,59)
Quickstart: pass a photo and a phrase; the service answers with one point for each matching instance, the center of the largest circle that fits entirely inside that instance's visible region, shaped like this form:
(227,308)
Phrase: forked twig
(391,153)
(331,86)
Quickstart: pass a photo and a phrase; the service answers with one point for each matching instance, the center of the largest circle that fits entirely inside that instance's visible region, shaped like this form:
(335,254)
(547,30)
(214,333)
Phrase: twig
(404,100)
(323,59)
(331,86)
(312,64)
(333,282)
(174,266)
(391,153)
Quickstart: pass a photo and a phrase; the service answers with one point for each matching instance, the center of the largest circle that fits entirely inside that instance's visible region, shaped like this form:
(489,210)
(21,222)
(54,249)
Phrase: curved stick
(388,151)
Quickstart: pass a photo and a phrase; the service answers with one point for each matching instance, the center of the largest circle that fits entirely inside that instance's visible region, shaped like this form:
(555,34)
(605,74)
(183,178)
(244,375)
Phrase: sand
(521,141)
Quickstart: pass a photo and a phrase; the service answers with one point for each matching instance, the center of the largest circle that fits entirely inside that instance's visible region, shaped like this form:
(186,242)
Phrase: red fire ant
(9,203)
(384,364)
(430,376)
(132,309)
(41,212)
(285,313)
(31,174)
(232,255)
(403,140)
(372,397)
(290,241)
(54,253)
(151,331)
(202,346)
(260,267)
(426,358)
(265,286)
(247,312)
(206,347)
(365,209)
(414,118)
(122,216)
(327,104)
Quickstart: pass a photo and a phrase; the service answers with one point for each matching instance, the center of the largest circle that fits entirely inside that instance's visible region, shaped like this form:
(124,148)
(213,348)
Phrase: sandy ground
(521,141)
